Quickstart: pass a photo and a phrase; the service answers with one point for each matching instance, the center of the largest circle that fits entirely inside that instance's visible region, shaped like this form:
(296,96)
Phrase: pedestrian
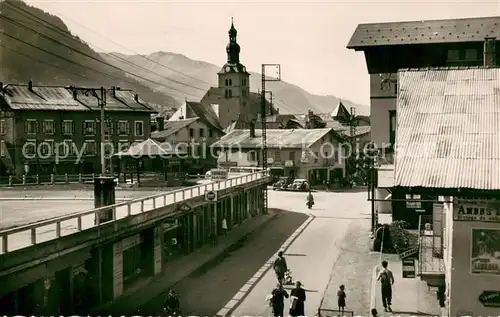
(341,298)
(224,225)
(374,312)
(298,298)
(386,280)
(280,267)
(278,300)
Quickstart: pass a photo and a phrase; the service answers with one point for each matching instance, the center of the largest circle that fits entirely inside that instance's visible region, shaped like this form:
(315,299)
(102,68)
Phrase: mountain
(192,78)
(38,46)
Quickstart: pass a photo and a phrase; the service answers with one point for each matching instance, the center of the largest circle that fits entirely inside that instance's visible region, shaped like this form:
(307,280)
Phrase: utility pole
(102,103)
(263,111)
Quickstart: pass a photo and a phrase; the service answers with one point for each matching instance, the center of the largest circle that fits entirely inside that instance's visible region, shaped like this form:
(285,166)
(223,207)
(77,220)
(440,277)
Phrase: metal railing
(431,246)
(28,235)
(46,179)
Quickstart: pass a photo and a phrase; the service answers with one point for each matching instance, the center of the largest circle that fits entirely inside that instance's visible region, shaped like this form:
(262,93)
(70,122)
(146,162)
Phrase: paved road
(205,291)
(314,255)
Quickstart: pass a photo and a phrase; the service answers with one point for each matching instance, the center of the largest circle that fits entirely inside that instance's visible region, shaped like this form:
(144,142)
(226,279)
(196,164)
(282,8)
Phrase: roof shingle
(448,129)
(425,32)
(275,138)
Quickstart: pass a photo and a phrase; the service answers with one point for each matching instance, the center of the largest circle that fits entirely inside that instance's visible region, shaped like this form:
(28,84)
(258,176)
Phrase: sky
(308,38)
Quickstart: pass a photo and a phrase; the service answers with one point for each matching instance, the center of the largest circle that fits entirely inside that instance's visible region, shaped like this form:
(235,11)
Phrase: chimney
(136,98)
(113,89)
(490,51)
(75,93)
(30,85)
(252,129)
(160,123)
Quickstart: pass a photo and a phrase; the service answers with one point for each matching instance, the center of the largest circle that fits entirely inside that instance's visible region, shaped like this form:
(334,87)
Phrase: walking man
(278,300)
(280,267)
(386,280)
(298,298)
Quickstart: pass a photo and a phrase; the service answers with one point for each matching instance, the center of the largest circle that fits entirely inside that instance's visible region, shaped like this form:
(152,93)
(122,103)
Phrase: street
(315,255)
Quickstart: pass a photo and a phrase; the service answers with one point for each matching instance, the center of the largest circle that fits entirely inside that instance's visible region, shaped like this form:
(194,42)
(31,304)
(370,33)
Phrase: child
(341,298)
(374,312)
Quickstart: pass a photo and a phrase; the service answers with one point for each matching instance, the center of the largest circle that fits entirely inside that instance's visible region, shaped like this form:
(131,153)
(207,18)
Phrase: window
(227,82)
(226,94)
(139,128)
(277,156)
(123,145)
(67,148)
(453,55)
(123,128)
(48,127)
(68,127)
(90,148)
(230,82)
(253,156)
(30,126)
(291,156)
(3,149)
(243,93)
(46,148)
(210,133)
(2,127)
(471,54)
(229,93)
(392,126)
(89,127)
(316,157)
(29,148)
(243,82)
(109,128)
(396,89)
(202,133)
(191,133)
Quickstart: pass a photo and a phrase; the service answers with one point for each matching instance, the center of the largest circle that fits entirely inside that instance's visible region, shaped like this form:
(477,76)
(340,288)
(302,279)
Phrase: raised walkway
(54,228)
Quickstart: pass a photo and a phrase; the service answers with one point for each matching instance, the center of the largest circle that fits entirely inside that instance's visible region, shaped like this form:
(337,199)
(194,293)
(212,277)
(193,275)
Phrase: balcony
(431,264)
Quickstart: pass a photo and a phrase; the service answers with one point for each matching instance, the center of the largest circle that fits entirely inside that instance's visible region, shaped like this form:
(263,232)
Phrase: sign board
(490,298)
(210,195)
(218,174)
(409,253)
(409,268)
(185,207)
(413,204)
(485,251)
(270,160)
(475,210)
(288,163)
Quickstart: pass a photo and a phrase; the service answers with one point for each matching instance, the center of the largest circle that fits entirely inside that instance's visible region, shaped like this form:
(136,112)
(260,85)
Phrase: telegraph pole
(102,103)
(263,110)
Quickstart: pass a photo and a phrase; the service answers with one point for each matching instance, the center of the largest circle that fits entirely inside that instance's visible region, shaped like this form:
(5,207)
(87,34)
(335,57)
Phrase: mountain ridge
(288,97)
(38,46)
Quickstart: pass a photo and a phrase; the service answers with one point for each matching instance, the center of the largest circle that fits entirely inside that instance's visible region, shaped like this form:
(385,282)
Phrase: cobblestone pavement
(205,291)
(332,250)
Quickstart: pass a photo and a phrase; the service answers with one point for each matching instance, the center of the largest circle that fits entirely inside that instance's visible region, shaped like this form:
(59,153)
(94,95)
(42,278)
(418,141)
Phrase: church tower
(234,80)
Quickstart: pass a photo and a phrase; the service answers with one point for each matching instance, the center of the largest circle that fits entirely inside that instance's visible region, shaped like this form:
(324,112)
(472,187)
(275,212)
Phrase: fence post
(66,178)
(80,180)
(37,179)
(10,180)
(24,179)
(52,179)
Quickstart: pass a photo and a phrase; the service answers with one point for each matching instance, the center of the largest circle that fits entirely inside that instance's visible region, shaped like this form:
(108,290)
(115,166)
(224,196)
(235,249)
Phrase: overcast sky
(308,38)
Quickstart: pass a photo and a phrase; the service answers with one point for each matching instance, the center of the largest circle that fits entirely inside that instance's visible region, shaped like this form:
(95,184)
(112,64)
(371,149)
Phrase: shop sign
(210,195)
(185,207)
(288,163)
(485,251)
(490,298)
(218,174)
(409,270)
(413,204)
(476,210)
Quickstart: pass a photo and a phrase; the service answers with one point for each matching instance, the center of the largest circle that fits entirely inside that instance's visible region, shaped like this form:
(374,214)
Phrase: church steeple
(232,48)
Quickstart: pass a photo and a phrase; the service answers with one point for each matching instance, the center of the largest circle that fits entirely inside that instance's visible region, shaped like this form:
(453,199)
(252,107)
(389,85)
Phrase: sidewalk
(177,270)
(410,296)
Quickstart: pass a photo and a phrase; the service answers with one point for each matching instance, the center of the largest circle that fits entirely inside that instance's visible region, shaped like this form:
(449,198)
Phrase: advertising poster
(485,251)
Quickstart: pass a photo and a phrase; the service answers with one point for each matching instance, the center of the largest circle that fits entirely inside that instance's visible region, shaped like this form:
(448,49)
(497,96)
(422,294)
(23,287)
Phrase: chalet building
(194,136)
(389,47)
(447,146)
(36,122)
(312,154)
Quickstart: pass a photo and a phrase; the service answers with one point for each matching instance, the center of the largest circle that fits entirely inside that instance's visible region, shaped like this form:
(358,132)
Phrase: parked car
(300,185)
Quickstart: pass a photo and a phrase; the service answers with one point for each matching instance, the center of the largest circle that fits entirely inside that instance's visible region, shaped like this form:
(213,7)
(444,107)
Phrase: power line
(92,57)
(46,63)
(112,54)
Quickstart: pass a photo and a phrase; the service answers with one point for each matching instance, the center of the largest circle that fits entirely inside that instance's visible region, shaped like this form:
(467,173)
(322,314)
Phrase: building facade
(56,130)
(389,47)
(312,154)
(447,152)
(193,136)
